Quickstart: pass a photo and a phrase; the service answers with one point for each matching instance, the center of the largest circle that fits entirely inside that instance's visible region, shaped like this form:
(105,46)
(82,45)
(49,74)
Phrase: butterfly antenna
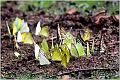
(59,35)
(52,41)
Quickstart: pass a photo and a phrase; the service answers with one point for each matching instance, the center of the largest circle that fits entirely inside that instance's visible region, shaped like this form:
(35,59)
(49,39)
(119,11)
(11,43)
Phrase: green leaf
(74,51)
(44,31)
(46,4)
(56,54)
(80,49)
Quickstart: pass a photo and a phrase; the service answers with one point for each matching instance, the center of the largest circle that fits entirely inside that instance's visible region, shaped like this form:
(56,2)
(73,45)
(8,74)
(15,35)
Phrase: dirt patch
(106,28)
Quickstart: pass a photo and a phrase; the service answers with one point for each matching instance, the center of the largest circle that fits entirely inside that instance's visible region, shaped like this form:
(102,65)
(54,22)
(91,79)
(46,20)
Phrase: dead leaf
(71,11)
(66,77)
(116,18)
(98,15)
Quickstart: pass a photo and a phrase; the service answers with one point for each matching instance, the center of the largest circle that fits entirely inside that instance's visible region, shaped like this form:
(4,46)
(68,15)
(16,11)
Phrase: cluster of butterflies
(60,52)
(22,34)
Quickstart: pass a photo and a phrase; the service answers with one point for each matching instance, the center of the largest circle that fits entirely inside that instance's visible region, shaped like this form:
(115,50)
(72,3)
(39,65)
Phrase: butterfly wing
(74,51)
(86,35)
(24,27)
(27,38)
(42,59)
(56,55)
(64,61)
(37,49)
(44,31)
(44,46)
(80,49)
(19,37)
(66,52)
(16,25)
(14,29)
(38,29)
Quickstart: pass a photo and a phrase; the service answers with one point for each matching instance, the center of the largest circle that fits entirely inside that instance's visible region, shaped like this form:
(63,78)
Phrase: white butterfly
(37,48)
(24,27)
(39,55)
(42,59)
(21,25)
(19,37)
(38,29)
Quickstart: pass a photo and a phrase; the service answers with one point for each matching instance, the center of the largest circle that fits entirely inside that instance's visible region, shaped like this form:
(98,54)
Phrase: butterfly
(69,39)
(45,48)
(26,38)
(56,54)
(38,29)
(80,48)
(19,37)
(42,59)
(77,49)
(42,31)
(65,51)
(39,55)
(24,27)
(20,25)
(86,34)
(21,28)
(73,50)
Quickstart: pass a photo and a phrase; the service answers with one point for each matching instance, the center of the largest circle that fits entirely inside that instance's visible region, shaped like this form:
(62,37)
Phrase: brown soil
(106,27)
